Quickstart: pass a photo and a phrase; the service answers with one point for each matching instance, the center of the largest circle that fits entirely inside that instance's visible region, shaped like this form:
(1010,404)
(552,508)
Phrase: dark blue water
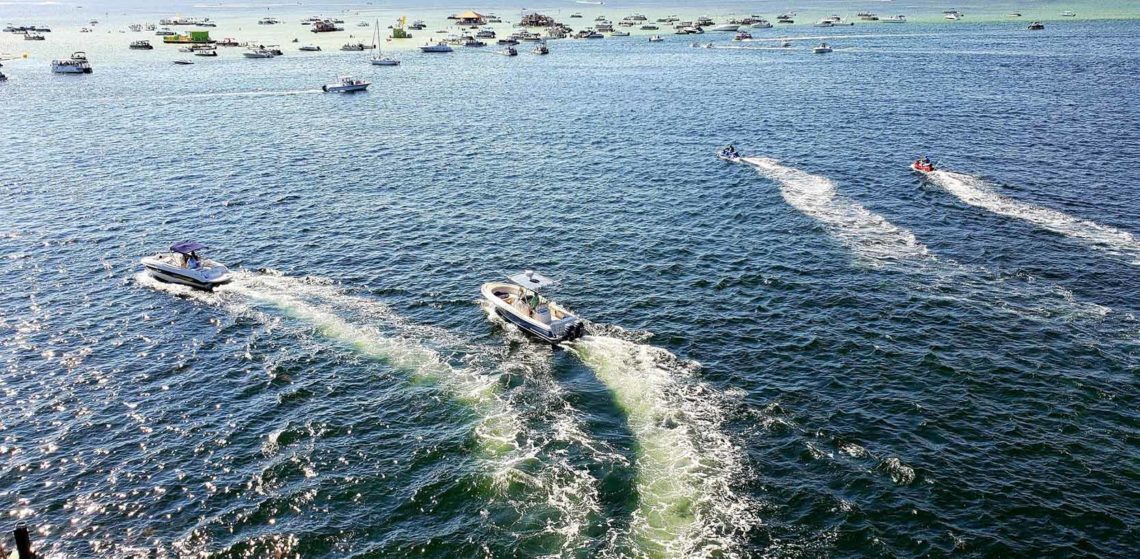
(817,353)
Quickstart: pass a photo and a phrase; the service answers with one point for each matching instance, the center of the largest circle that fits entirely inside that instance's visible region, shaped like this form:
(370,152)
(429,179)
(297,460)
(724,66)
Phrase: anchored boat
(184,265)
(519,303)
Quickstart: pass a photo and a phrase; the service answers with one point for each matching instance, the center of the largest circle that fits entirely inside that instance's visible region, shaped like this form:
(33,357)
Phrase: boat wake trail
(876,240)
(550,494)
(868,234)
(686,466)
(977,192)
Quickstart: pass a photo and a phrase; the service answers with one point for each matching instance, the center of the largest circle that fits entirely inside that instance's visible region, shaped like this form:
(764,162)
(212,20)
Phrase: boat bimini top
(532,280)
(187,247)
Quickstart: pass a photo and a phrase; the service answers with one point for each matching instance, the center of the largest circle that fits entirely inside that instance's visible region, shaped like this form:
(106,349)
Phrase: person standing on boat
(192,262)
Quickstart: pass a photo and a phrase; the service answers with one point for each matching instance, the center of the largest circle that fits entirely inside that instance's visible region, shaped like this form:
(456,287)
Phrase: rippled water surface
(811,353)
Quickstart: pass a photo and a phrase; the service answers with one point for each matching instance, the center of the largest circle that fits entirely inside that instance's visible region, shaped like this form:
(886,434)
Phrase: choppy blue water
(815,353)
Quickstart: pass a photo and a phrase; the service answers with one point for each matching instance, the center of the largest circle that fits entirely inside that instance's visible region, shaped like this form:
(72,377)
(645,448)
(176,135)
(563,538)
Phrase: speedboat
(309,48)
(762,24)
(656,39)
(922,165)
(1068,13)
(728,153)
(258,53)
(728,27)
(541,49)
(1036,26)
(77,64)
(353,47)
(742,36)
(519,303)
(183,62)
(183,265)
(619,34)
(346,85)
(894,19)
(205,52)
(437,47)
(823,48)
(509,51)
(141,45)
(824,23)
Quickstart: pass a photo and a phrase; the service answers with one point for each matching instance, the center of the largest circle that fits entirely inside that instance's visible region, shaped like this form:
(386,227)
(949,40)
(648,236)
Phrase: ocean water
(811,353)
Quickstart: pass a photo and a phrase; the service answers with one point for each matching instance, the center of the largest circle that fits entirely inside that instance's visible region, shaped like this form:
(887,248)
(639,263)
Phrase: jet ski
(729,153)
(922,165)
(184,265)
(519,303)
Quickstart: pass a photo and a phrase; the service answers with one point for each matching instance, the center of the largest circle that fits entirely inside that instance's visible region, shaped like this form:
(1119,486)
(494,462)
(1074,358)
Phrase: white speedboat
(727,27)
(309,48)
(77,64)
(656,39)
(824,23)
(509,51)
(353,47)
(258,53)
(894,19)
(1068,13)
(823,48)
(346,85)
(437,47)
(184,265)
(519,303)
(541,48)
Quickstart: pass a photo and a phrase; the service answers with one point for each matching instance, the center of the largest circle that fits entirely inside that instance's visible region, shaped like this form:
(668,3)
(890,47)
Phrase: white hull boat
(729,27)
(183,266)
(438,47)
(519,303)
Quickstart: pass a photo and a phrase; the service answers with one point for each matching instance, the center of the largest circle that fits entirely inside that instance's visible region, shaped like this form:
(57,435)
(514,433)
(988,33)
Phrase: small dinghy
(184,265)
(728,153)
(519,303)
(922,165)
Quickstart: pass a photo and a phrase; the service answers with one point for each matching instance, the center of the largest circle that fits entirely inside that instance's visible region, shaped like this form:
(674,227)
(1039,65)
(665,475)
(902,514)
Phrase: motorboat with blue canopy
(184,264)
(518,302)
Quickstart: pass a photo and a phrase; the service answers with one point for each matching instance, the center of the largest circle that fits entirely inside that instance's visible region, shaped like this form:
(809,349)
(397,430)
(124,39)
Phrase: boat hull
(205,279)
(344,88)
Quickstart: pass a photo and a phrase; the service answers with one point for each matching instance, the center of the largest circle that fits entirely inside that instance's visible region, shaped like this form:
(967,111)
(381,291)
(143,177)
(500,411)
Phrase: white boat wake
(977,192)
(521,472)
(868,234)
(686,466)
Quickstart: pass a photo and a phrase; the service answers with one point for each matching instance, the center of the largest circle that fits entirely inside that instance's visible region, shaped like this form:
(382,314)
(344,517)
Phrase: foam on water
(868,234)
(521,471)
(975,191)
(686,466)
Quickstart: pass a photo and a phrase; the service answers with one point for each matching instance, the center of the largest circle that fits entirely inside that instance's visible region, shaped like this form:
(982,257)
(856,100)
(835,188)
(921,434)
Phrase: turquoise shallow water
(812,353)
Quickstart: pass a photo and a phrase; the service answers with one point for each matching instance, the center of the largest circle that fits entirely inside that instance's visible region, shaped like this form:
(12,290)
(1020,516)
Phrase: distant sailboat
(378,59)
